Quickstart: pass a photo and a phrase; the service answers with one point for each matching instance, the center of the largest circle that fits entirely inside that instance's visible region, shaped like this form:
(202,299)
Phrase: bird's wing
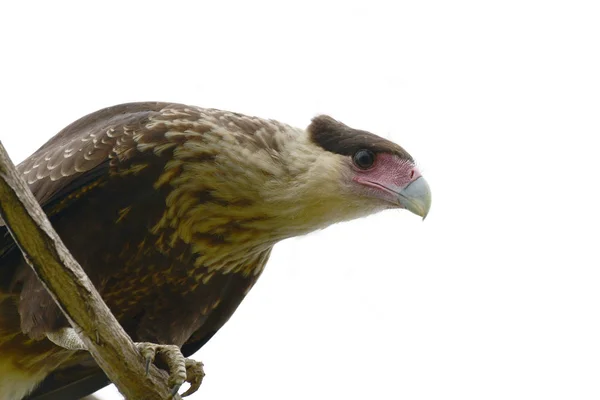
(66,165)
(78,156)
(80,153)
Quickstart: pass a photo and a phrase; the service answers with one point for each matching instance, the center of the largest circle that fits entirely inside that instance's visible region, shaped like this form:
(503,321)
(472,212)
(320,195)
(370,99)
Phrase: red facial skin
(387,176)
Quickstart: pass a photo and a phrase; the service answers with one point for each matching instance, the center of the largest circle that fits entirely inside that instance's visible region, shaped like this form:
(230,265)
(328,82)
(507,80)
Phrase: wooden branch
(72,290)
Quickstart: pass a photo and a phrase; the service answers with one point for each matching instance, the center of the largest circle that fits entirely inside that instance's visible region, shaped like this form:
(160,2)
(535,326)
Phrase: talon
(148,361)
(148,351)
(195,375)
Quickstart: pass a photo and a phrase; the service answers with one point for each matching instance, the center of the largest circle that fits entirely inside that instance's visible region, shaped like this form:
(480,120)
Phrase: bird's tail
(24,362)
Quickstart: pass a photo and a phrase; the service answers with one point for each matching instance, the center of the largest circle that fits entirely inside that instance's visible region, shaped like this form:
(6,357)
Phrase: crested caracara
(172,211)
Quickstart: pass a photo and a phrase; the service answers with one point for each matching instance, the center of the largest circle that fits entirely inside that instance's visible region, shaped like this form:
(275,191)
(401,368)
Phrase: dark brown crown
(338,138)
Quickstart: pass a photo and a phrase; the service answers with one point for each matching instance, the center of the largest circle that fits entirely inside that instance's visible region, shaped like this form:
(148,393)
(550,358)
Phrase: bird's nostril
(412,174)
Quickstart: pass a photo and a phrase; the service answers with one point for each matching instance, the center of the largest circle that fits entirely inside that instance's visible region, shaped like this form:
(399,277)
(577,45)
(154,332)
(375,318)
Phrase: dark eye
(364,159)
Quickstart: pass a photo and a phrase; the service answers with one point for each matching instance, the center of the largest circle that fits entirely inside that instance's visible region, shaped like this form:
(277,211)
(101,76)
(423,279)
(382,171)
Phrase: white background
(495,296)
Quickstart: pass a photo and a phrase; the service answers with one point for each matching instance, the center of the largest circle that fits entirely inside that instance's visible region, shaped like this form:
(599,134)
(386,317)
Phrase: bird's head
(378,171)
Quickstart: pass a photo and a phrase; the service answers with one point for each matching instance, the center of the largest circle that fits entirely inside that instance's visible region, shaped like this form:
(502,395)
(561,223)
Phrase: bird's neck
(232,205)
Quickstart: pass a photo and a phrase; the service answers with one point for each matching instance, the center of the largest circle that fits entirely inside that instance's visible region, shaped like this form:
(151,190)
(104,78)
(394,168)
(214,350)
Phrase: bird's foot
(181,369)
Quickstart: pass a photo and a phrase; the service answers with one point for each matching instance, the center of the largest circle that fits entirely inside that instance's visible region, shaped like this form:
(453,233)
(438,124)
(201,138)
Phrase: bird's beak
(416,197)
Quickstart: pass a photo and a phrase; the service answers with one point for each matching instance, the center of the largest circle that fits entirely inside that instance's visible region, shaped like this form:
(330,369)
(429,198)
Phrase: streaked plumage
(173,211)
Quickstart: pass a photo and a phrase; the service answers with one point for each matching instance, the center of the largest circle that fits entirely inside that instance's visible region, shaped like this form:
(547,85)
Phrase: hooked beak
(416,197)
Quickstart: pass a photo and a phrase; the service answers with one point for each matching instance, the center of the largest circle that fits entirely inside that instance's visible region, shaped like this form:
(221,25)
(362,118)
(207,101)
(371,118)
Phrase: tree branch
(72,290)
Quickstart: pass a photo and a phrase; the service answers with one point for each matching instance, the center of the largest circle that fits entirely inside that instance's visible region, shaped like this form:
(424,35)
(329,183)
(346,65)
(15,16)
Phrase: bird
(172,211)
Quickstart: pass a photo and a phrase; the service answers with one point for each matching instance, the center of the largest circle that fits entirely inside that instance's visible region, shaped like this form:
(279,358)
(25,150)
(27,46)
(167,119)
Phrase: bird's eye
(364,159)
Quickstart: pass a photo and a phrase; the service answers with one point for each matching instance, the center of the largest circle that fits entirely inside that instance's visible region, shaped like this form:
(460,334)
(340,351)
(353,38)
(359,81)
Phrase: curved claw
(195,375)
(148,351)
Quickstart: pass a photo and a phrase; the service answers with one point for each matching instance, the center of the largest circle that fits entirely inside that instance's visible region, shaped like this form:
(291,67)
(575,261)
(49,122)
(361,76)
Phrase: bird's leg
(181,369)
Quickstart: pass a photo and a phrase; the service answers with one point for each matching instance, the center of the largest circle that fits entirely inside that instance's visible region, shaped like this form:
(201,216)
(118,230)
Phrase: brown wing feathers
(81,152)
